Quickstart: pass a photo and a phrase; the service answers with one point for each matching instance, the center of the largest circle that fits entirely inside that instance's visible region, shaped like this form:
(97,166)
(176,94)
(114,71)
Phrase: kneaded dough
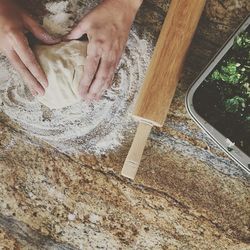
(63,65)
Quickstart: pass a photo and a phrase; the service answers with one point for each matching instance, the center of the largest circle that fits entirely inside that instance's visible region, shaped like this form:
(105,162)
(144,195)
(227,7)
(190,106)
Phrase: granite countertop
(187,194)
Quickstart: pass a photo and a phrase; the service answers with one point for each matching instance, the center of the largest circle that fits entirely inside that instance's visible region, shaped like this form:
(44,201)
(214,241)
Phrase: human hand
(107,27)
(14,21)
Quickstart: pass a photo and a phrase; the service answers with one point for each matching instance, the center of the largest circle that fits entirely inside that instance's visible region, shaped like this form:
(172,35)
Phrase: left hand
(107,27)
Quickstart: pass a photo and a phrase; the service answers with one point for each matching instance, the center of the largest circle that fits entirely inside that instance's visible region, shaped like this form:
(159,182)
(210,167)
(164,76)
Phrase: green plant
(223,98)
(232,78)
(242,41)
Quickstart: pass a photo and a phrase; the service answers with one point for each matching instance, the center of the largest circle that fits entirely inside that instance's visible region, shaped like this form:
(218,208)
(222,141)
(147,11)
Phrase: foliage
(242,41)
(232,78)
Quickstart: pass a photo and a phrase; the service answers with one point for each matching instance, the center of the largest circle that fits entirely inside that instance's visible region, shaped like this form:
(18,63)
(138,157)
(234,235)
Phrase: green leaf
(242,40)
(216,75)
(234,104)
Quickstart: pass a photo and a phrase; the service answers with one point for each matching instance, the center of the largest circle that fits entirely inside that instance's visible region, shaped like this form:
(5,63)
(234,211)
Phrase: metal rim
(236,154)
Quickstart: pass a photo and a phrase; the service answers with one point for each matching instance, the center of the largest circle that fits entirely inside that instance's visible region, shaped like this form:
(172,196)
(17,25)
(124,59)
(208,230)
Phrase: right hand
(14,21)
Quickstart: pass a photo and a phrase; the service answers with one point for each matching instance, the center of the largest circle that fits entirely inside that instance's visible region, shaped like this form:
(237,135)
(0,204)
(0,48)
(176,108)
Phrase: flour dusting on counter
(93,128)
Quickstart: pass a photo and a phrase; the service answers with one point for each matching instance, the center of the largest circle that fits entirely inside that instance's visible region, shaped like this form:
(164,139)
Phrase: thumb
(79,30)
(39,32)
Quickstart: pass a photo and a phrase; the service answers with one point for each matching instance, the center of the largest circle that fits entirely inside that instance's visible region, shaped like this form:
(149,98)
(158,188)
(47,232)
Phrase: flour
(91,128)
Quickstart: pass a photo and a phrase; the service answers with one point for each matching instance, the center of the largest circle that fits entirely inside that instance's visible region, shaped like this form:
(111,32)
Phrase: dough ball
(63,65)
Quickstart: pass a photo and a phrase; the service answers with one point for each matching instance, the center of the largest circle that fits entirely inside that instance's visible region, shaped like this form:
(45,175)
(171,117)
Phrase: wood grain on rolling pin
(160,82)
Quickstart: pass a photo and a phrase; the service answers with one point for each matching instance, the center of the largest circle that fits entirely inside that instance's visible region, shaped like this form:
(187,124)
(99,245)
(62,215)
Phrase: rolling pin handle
(133,159)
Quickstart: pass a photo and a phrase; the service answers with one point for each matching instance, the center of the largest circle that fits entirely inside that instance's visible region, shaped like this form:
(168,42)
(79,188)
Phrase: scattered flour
(91,128)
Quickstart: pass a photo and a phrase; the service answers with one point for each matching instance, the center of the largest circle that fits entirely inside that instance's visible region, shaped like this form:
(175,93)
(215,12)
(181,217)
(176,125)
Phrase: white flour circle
(93,128)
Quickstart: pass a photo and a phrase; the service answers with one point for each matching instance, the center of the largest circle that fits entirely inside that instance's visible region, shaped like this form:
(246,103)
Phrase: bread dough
(63,65)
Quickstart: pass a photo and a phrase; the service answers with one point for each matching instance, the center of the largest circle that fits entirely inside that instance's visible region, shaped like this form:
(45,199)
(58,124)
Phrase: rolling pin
(162,76)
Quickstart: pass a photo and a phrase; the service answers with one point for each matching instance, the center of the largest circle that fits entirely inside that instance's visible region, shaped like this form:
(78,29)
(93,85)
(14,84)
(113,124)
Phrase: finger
(34,86)
(26,55)
(79,30)
(90,69)
(38,31)
(113,75)
(102,79)
(111,81)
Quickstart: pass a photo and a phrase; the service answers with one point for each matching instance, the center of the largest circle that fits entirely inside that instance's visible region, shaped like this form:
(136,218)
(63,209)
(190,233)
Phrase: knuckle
(103,44)
(100,41)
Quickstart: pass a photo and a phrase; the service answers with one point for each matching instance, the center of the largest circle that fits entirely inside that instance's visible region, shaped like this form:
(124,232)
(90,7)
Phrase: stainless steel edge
(236,154)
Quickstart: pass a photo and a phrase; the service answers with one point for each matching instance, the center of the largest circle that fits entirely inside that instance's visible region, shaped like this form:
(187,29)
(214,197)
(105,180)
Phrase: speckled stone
(187,195)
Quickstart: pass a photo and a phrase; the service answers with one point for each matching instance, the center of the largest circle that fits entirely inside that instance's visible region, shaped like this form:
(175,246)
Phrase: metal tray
(236,153)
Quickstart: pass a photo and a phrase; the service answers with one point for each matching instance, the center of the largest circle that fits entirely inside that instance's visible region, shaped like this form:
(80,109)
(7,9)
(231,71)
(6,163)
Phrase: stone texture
(187,195)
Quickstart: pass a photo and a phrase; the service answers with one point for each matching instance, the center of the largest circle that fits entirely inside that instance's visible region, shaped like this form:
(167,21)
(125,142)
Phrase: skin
(107,27)
(14,22)
(107,33)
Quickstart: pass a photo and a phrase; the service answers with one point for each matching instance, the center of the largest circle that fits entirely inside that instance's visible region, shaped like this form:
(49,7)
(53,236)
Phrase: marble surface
(187,195)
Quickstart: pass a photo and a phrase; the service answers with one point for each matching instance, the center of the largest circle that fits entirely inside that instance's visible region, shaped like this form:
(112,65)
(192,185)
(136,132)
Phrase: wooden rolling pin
(162,75)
